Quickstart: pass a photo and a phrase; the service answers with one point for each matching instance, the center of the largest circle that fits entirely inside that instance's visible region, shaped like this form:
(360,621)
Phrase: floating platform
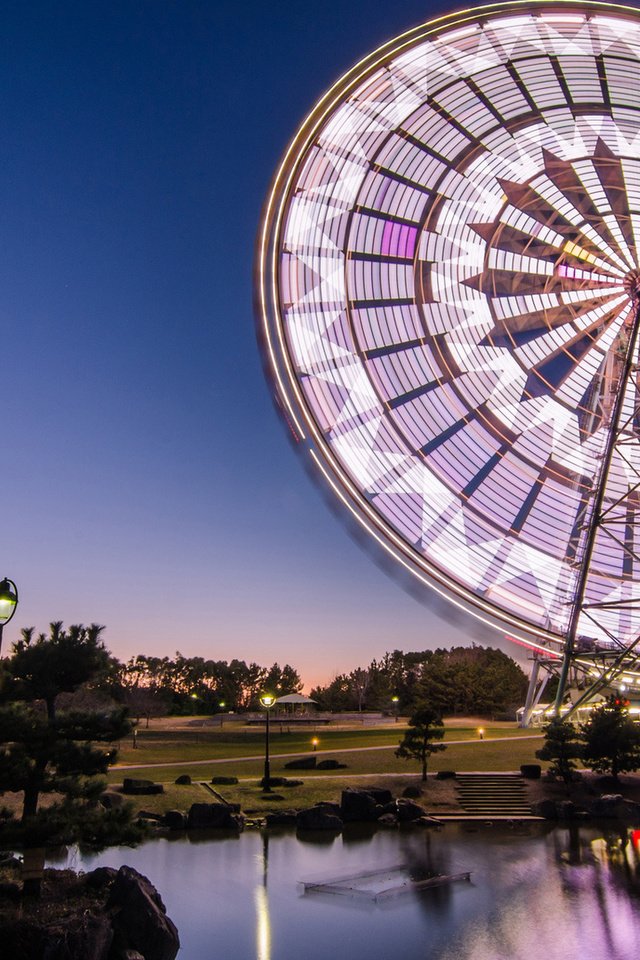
(379,884)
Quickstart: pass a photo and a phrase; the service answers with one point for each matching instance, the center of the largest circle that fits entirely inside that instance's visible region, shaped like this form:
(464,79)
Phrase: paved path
(300,753)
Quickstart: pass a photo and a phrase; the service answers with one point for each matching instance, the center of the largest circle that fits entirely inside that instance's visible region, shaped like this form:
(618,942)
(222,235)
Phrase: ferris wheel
(449,301)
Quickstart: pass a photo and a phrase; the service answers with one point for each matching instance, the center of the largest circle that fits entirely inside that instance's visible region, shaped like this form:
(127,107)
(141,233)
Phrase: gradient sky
(149,484)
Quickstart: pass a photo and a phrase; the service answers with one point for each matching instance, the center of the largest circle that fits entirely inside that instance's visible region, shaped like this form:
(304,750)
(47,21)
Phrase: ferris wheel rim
(274,338)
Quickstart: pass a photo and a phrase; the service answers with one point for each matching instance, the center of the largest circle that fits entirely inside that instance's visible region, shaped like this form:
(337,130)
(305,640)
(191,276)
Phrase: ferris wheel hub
(631,285)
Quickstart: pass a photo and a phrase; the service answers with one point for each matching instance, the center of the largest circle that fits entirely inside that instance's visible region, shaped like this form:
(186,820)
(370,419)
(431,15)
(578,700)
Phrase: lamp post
(8,602)
(395,700)
(267,702)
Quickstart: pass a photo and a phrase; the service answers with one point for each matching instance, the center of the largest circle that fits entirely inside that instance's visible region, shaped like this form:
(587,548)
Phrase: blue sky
(148,482)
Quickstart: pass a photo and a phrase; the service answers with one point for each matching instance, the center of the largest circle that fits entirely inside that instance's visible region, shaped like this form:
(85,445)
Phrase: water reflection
(560,894)
(261,898)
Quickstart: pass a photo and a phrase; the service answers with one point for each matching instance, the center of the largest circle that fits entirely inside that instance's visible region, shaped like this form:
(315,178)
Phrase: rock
(531,771)
(10,889)
(317,818)
(359,805)
(175,820)
(282,818)
(228,781)
(380,795)
(330,807)
(566,810)
(139,918)
(109,799)
(546,809)
(184,780)
(216,816)
(301,763)
(283,782)
(149,815)
(407,811)
(412,792)
(141,787)
(100,877)
(131,955)
(80,936)
(330,765)
(388,820)
(632,809)
(608,805)
(446,775)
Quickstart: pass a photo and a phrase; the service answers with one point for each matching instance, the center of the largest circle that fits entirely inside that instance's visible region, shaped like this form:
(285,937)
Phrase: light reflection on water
(555,894)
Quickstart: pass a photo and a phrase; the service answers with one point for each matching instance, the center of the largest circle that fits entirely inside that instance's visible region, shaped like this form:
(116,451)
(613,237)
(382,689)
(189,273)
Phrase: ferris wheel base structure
(448,298)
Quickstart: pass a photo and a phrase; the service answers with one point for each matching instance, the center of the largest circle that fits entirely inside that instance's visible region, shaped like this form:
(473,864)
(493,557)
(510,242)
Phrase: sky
(149,484)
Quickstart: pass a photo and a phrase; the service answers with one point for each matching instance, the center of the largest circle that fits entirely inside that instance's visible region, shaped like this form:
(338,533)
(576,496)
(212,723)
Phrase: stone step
(487,794)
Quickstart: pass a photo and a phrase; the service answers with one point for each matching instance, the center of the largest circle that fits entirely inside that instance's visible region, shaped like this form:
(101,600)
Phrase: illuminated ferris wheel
(449,301)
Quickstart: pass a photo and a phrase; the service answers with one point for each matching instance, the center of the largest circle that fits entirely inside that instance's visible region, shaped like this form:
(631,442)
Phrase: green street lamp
(267,701)
(8,602)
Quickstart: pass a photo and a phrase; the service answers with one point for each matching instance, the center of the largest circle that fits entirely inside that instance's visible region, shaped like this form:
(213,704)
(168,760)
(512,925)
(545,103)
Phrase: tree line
(473,680)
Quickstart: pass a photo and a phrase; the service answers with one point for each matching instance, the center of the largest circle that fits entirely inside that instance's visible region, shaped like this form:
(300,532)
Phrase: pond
(534,891)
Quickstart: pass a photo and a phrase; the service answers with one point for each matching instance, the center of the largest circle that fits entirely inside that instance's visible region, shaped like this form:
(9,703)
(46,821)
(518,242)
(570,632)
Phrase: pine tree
(563,745)
(49,750)
(425,727)
(612,739)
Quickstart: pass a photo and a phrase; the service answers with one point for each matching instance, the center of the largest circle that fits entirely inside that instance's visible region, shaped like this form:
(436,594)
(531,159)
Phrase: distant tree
(51,750)
(336,696)
(611,739)
(282,680)
(418,743)
(359,682)
(563,746)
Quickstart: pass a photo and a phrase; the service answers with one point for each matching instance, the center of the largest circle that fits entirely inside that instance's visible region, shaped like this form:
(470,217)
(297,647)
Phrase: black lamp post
(8,602)
(267,702)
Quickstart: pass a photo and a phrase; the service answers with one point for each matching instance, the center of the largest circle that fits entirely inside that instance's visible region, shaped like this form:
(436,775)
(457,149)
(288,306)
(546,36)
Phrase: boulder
(426,821)
(330,765)
(282,818)
(139,918)
(608,805)
(149,815)
(141,787)
(175,820)
(213,816)
(329,806)
(359,805)
(531,771)
(388,820)
(100,877)
(110,799)
(567,810)
(446,775)
(317,818)
(407,811)
(380,795)
(546,809)
(301,763)
(413,792)
(224,781)
(184,780)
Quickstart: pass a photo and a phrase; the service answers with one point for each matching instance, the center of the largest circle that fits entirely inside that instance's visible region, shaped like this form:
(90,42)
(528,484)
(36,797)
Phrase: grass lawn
(475,755)
(202,743)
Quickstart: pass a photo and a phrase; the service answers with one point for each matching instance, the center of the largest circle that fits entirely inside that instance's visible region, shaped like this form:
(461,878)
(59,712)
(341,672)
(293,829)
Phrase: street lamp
(395,700)
(267,702)
(8,602)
